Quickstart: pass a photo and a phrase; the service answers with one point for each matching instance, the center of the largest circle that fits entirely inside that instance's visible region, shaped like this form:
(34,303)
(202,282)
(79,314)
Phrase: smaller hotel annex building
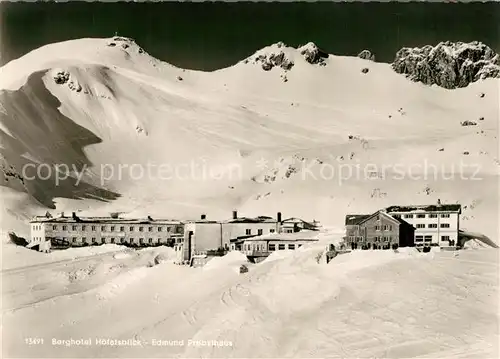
(434,224)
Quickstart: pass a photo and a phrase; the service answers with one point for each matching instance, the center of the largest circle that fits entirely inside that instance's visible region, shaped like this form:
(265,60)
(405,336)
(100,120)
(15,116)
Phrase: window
(159,240)
(93,228)
(74,240)
(445,238)
(65,228)
(159,229)
(54,227)
(420,215)
(74,228)
(427,238)
(103,240)
(131,229)
(83,228)
(445,225)
(131,240)
(248,232)
(150,229)
(112,240)
(419,238)
(122,240)
(281,247)
(103,228)
(420,225)
(376,239)
(141,229)
(122,229)
(84,240)
(397,216)
(259,232)
(445,215)
(291,246)
(94,240)
(433,215)
(112,228)
(408,215)
(377,228)
(432,225)
(271,230)
(150,240)
(141,240)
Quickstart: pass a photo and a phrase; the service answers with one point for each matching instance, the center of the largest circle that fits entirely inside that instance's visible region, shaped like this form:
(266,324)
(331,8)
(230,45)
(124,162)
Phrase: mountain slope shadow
(35,135)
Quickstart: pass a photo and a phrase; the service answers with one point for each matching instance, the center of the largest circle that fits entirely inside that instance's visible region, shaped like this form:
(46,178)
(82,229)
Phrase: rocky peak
(366,55)
(313,54)
(449,64)
(282,56)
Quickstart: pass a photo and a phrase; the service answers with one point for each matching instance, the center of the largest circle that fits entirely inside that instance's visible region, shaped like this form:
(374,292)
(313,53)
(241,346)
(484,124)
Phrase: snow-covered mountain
(297,130)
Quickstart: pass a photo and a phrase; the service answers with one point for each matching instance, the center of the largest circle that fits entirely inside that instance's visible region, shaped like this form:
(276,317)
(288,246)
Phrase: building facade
(82,231)
(379,230)
(203,235)
(436,225)
(266,244)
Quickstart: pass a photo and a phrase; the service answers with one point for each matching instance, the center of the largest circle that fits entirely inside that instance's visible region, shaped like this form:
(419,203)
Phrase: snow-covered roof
(70,219)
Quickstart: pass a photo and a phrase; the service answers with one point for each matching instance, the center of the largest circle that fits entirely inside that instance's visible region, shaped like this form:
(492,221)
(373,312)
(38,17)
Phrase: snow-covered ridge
(449,64)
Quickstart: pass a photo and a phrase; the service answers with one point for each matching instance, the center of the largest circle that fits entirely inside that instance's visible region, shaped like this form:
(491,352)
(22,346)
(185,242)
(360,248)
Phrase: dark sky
(208,36)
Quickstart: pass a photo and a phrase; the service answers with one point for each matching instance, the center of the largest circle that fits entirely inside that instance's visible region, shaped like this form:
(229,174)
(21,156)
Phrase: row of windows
(272,247)
(421,215)
(37,227)
(423,238)
(248,231)
(429,238)
(385,227)
(433,225)
(112,228)
(117,240)
(376,238)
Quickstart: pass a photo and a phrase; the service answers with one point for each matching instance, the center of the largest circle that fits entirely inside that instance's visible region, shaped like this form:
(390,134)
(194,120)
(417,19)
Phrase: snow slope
(423,306)
(239,138)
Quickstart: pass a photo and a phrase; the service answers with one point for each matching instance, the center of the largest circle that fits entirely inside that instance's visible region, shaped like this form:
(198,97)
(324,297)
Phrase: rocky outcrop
(62,77)
(275,56)
(274,60)
(366,55)
(313,54)
(449,65)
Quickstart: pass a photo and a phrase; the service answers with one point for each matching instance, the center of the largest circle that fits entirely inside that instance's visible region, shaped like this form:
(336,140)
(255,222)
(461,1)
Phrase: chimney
(278,217)
(62,214)
(203,216)
(439,202)
(150,218)
(235,214)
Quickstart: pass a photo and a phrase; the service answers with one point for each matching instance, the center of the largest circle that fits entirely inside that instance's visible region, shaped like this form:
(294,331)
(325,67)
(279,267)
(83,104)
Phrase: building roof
(102,220)
(426,208)
(259,219)
(305,235)
(353,219)
(356,219)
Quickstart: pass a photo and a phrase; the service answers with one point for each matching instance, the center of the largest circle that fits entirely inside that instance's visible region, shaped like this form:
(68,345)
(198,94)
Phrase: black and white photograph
(250,179)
